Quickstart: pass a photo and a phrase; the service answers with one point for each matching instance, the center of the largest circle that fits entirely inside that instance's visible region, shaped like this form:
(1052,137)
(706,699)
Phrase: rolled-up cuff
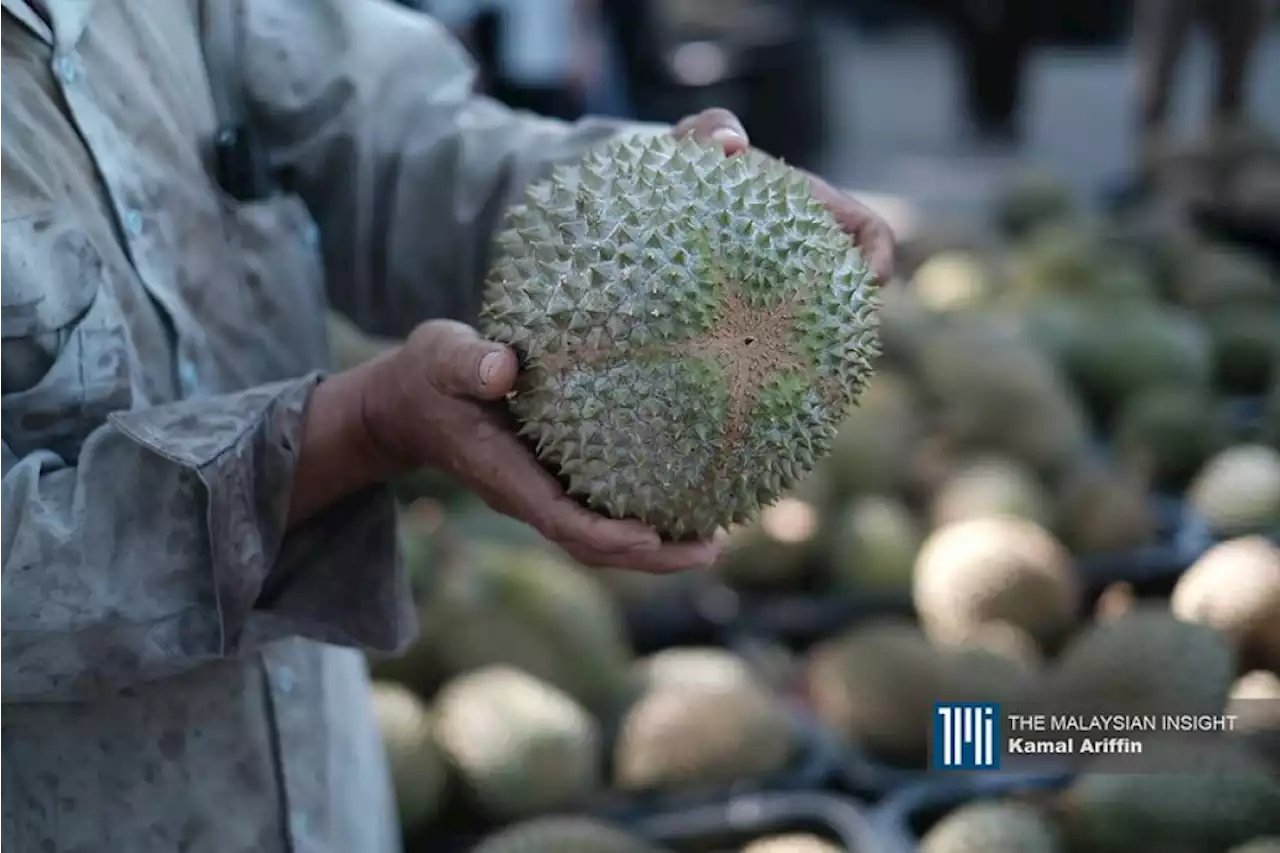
(337,579)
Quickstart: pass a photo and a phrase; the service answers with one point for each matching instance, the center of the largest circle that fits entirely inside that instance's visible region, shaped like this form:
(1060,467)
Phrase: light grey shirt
(179,674)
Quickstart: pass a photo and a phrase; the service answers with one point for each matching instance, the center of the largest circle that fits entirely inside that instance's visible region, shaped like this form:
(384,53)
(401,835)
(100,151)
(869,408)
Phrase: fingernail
(489,367)
(727,136)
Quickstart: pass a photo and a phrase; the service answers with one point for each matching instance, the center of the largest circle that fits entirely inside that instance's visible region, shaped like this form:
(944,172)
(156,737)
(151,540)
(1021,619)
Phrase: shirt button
(188,375)
(284,679)
(66,69)
(133,223)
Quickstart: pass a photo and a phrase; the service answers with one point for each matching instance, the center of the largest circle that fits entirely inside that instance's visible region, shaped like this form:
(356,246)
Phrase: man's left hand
(871,233)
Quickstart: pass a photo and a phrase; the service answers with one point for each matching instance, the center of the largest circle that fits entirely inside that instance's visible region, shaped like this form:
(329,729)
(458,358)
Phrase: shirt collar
(69,18)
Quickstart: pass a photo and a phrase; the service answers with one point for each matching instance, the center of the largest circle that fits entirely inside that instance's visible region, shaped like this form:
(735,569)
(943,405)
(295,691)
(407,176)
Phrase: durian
(1104,510)
(871,545)
(997,663)
(1182,792)
(773,549)
(533,610)
(1238,491)
(418,771)
(698,667)
(872,450)
(993,827)
(1031,200)
(1235,588)
(1255,702)
(692,329)
(691,736)
(991,485)
(564,834)
(798,842)
(996,569)
(954,281)
(993,390)
(1144,661)
(522,746)
(876,686)
(1165,435)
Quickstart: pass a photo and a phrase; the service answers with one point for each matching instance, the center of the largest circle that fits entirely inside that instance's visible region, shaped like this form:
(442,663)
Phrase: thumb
(715,125)
(463,364)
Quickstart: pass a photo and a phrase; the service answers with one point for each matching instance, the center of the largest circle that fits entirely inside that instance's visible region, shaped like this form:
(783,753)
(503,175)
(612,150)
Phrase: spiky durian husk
(693,327)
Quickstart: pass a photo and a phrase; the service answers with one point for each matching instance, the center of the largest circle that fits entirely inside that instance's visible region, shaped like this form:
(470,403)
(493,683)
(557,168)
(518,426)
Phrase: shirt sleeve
(162,547)
(369,110)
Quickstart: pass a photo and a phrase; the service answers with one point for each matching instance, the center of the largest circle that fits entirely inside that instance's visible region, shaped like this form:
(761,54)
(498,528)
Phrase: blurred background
(1060,491)
(930,101)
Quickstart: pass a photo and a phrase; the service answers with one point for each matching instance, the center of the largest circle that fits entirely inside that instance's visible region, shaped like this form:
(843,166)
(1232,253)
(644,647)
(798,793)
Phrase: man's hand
(437,401)
(871,233)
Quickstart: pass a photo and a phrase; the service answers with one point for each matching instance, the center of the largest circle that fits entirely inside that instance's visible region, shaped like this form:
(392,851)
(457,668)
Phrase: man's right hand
(436,402)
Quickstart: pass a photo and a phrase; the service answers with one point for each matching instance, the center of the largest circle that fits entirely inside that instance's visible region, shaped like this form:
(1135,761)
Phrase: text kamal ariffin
(1101,733)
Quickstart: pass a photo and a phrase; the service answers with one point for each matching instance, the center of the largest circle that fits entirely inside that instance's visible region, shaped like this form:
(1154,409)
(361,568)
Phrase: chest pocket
(65,353)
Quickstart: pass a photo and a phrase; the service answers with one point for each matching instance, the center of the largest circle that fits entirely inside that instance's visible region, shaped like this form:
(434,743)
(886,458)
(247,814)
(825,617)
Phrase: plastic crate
(901,820)
(743,818)
(1182,538)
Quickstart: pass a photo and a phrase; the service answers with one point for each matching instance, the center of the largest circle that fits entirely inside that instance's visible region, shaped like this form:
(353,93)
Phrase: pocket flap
(51,273)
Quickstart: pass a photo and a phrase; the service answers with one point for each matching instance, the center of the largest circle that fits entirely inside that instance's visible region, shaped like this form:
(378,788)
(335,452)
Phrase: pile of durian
(523,697)
(1042,380)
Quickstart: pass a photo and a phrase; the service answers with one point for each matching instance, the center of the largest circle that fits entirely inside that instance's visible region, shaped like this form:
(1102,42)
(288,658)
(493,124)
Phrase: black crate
(1182,538)
(742,818)
(902,819)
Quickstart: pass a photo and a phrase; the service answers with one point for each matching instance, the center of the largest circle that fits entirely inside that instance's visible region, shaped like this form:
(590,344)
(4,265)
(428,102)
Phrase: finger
(877,241)
(670,557)
(508,477)
(872,234)
(463,364)
(715,125)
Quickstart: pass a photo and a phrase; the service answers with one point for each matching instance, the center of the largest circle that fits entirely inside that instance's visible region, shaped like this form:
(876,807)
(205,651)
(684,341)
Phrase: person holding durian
(199,544)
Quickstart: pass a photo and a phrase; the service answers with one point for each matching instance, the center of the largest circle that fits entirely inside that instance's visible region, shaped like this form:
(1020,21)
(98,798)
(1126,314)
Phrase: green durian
(955,281)
(1182,793)
(522,746)
(529,608)
(1144,661)
(1235,588)
(1164,435)
(871,545)
(417,767)
(795,842)
(993,827)
(692,327)
(683,736)
(564,834)
(1031,200)
(1238,491)
(996,569)
(876,685)
(991,484)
